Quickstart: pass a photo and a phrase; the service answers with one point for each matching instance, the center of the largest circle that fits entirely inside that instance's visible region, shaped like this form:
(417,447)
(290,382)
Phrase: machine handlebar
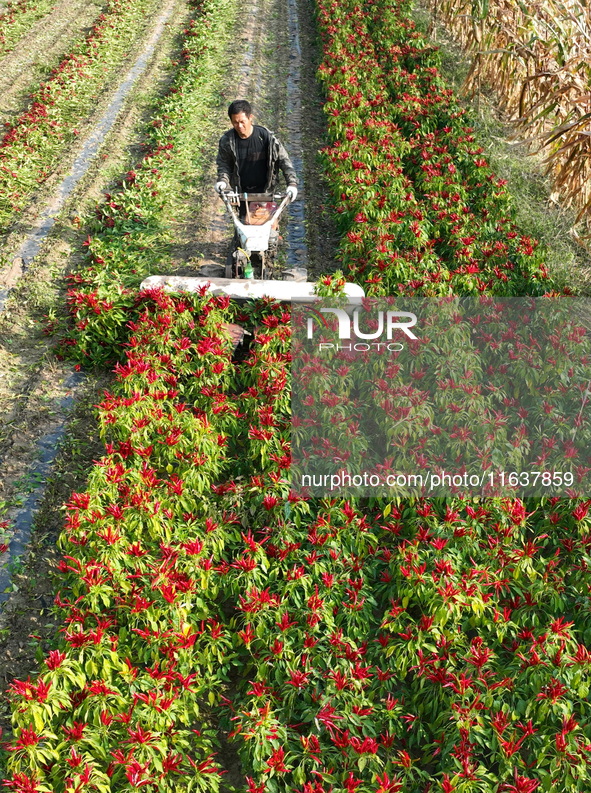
(233,195)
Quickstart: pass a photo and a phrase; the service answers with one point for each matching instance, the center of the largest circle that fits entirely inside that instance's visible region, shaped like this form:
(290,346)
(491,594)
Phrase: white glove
(219,186)
(292,192)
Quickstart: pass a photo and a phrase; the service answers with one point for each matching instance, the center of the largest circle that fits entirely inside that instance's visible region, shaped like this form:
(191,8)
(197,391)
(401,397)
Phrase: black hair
(239,106)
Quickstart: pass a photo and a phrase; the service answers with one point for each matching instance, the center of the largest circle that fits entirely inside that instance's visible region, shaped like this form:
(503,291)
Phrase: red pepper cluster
(342,645)
(420,209)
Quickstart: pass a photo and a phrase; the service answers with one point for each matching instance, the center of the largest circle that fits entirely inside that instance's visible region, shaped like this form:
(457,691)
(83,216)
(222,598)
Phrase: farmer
(250,156)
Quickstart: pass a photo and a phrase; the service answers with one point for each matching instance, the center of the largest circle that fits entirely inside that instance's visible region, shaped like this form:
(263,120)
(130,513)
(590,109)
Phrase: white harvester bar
(248,288)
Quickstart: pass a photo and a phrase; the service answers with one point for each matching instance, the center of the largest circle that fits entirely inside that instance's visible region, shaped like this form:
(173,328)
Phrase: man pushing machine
(248,161)
(250,157)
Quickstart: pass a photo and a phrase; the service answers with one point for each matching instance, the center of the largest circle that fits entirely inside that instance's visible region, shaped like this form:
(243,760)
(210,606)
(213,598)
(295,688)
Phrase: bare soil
(257,74)
(321,230)
(28,625)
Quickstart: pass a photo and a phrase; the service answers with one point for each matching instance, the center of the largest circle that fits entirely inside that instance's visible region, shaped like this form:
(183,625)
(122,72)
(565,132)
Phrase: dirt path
(260,77)
(27,624)
(322,236)
(41,49)
(268,82)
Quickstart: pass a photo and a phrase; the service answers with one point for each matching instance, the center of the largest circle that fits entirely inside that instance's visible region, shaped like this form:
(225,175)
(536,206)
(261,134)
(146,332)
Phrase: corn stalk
(537,55)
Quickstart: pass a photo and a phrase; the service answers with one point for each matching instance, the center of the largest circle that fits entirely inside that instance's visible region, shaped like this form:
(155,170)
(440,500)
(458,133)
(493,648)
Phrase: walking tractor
(254,246)
(251,262)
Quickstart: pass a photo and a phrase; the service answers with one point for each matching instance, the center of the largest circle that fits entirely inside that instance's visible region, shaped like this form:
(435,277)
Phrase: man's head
(240,113)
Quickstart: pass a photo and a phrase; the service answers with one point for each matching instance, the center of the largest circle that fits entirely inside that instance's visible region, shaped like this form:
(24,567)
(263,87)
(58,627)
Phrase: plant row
(32,146)
(443,646)
(419,208)
(131,231)
(17,19)
(489,385)
(122,701)
(130,696)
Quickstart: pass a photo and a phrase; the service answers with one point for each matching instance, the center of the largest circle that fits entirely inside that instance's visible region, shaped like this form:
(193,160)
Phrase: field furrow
(40,49)
(17,18)
(32,145)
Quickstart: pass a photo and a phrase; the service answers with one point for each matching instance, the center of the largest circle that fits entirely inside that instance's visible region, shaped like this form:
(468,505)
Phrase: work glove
(292,192)
(219,186)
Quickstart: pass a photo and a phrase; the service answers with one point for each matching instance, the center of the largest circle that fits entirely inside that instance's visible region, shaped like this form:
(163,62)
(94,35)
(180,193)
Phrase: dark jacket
(278,159)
